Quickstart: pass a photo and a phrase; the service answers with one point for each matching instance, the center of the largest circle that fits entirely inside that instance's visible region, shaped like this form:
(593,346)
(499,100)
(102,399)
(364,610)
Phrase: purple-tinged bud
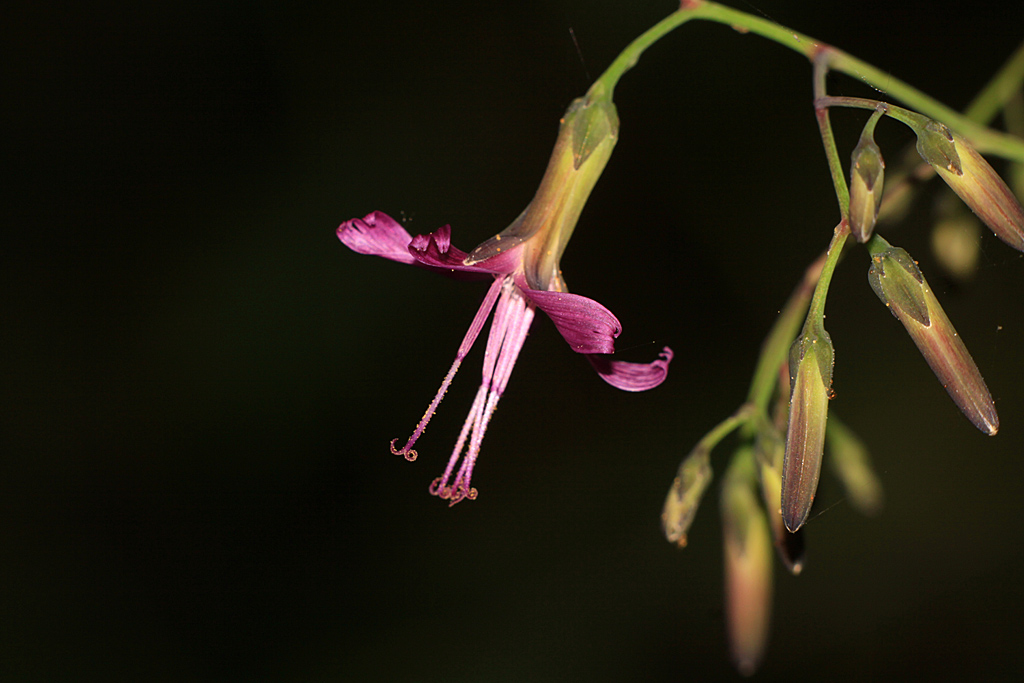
(852,464)
(898,282)
(684,496)
(974,181)
(867,175)
(748,566)
(789,547)
(810,367)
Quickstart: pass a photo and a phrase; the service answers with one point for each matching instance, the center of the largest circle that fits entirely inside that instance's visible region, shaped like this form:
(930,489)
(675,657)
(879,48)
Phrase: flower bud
(789,547)
(898,282)
(867,173)
(974,181)
(810,367)
(955,242)
(684,496)
(748,566)
(852,464)
(936,146)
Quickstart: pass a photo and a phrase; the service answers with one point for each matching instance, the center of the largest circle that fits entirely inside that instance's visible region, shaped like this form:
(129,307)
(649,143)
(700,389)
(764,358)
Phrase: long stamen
(512,321)
(467,343)
(439,487)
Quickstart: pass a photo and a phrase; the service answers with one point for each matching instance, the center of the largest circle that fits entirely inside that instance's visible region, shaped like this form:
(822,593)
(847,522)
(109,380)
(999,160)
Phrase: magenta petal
(632,376)
(377,234)
(587,326)
(436,250)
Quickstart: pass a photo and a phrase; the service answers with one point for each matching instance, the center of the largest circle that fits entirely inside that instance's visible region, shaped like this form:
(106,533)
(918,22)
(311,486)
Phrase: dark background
(199,382)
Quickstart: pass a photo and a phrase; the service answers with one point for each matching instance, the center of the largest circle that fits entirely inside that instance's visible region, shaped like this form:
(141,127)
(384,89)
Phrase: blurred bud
(810,367)
(974,180)
(1017,180)
(850,460)
(956,243)
(789,547)
(898,282)
(867,173)
(748,566)
(684,496)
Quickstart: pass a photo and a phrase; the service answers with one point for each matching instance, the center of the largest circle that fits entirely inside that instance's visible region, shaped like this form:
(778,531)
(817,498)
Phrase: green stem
(877,244)
(984,139)
(999,90)
(628,58)
(816,314)
(835,166)
(906,116)
(777,343)
(724,428)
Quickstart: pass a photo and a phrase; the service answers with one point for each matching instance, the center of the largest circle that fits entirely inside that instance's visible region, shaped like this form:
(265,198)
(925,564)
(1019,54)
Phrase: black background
(199,382)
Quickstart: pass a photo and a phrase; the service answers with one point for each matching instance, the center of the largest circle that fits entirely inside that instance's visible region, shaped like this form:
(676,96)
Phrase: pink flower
(587,326)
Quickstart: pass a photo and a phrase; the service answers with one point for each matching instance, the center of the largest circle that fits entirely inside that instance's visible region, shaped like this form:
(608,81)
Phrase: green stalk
(984,139)
(999,90)
(816,314)
(835,166)
(776,345)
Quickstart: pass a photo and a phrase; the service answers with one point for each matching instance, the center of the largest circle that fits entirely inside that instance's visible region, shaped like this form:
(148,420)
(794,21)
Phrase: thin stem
(999,90)
(835,166)
(983,139)
(816,314)
(906,116)
(777,343)
(627,59)
(742,415)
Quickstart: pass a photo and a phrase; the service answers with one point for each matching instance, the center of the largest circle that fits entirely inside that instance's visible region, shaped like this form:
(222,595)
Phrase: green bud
(852,464)
(810,365)
(981,188)
(770,449)
(956,243)
(748,565)
(867,175)
(684,495)
(900,285)
(936,146)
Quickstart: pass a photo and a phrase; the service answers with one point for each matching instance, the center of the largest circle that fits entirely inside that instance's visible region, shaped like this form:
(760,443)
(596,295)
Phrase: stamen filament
(464,348)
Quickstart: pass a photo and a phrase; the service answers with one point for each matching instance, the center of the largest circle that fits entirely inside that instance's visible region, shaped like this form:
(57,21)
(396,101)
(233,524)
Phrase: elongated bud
(810,367)
(789,547)
(852,464)
(867,175)
(974,181)
(898,282)
(748,566)
(685,494)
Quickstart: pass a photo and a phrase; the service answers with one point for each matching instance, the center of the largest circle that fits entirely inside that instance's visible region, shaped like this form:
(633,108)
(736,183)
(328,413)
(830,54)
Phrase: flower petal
(436,250)
(587,326)
(632,376)
(377,234)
